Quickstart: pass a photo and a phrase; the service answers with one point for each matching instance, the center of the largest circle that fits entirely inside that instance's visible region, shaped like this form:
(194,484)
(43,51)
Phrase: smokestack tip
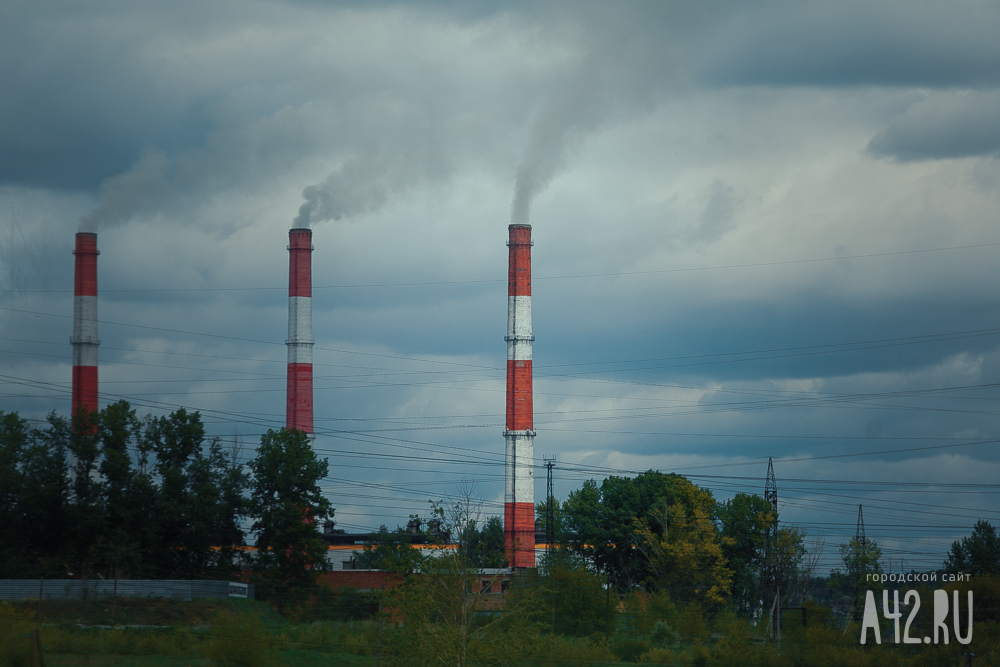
(86,242)
(521,225)
(300,238)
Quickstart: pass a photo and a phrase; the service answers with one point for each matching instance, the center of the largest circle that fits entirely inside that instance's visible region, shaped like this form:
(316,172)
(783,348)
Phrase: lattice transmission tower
(769,571)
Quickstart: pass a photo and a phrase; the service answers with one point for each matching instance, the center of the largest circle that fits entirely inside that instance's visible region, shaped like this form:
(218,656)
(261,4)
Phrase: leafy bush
(345,604)
(15,646)
(238,641)
(557,650)
(581,602)
(659,656)
(689,621)
(664,635)
(630,648)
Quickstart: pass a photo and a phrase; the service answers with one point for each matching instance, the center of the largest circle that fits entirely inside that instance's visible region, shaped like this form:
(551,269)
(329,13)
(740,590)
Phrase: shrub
(122,641)
(664,635)
(357,637)
(659,656)
(690,623)
(238,641)
(15,646)
(630,648)
(557,650)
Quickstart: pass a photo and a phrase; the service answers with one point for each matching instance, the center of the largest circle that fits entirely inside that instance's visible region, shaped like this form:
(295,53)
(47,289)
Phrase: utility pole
(607,608)
(114,596)
(378,637)
(550,530)
(550,511)
(777,604)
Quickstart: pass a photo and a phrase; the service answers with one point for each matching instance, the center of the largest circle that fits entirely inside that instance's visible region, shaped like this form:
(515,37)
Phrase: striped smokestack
(84,338)
(299,406)
(519,492)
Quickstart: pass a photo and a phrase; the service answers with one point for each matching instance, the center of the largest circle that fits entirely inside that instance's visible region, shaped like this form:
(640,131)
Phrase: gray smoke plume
(142,189)
(364,184)
(546,157)
(576,108)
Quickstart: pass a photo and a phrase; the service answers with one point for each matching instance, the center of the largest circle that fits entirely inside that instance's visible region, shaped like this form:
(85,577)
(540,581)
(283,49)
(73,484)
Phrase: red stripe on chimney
(519,261)
(85,278)
(84,388)
(300,262)
(299,407)
(519,543)
(520,412)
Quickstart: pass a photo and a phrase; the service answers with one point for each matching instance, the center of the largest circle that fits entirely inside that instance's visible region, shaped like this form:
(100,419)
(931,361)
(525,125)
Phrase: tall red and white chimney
(519,492)
(299,405)
(84,338)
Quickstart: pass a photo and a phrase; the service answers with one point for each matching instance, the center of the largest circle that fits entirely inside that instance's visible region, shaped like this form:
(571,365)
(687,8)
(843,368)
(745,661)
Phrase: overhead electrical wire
(838,258)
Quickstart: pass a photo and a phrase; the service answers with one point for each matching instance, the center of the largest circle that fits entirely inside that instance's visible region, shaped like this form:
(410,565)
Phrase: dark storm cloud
(642,139)
(944,125)
(855,43)
(82,98)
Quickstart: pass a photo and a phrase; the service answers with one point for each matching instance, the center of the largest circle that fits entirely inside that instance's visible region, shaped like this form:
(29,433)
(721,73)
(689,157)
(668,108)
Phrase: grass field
(171,633)
(246,633)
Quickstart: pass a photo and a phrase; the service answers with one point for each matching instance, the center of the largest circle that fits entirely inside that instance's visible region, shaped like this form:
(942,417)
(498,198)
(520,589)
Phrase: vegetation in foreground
(251,634)
(649,569)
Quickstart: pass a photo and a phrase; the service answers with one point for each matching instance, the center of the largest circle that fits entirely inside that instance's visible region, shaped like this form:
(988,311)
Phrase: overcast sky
(761,229)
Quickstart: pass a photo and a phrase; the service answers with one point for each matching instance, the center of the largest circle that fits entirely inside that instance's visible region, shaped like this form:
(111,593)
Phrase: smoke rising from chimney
(364,184)
(143,188)
(575,109)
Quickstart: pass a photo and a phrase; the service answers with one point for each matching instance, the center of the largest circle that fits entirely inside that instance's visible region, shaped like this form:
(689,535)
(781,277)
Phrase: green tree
(33,496)
(577,594)
(85,510)
(687,558)
(199,503)
(860,558)
(44,498)
(745,521)
(602,522)
(128,498)
(559,519)
(977,554)
(447,616)
(787,557)
(286,501)
(147,496)
(391,551)
(486,546)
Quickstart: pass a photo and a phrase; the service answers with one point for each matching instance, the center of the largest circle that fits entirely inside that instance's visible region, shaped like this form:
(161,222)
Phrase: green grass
(144,611)
(177,633)
(56,660)
(278,658)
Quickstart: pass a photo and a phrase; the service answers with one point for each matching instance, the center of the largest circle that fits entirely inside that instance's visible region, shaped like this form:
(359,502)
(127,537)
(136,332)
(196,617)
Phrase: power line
(537,278)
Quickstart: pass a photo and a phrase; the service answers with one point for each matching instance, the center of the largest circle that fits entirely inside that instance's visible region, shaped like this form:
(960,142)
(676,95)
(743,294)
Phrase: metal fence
(94,589)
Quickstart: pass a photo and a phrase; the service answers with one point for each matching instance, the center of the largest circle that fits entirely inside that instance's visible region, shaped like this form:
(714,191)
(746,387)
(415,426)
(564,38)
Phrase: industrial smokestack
(299,406)
(519,492)
(84,338)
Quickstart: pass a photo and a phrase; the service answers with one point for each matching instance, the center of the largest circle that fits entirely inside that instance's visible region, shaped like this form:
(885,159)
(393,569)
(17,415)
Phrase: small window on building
(505,585)
(487,586)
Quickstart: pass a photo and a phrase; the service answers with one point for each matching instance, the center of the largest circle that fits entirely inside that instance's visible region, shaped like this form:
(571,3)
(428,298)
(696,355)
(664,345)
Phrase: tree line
(661,535)
(111,493)
(648,568)
(650,532)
